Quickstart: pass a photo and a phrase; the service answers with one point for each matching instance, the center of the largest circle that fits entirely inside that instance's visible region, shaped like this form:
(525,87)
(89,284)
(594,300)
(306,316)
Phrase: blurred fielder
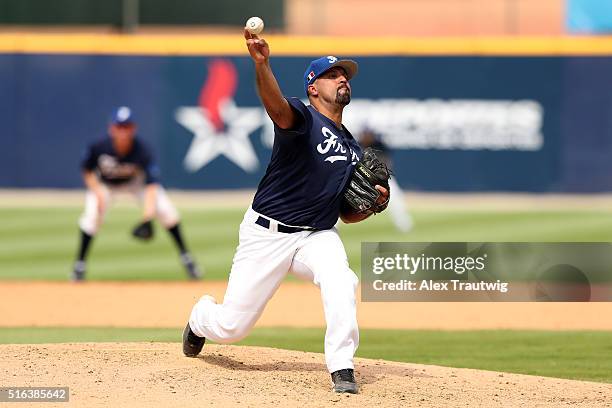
(289,227)
(397,205)
(123,163)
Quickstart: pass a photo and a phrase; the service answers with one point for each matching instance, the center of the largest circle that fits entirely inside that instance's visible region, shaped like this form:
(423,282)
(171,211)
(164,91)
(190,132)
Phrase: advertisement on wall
(457,123)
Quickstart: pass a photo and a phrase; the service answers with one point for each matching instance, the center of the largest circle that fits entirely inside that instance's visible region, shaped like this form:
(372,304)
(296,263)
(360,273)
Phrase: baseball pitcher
(315,175)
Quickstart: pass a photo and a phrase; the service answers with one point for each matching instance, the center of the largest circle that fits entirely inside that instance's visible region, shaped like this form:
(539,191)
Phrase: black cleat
(190,266)
(344,381)
(192,344)
(78,273)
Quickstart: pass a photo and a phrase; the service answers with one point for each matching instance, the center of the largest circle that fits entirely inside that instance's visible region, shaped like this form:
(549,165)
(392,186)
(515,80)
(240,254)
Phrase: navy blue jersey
(113,169)
(308,171)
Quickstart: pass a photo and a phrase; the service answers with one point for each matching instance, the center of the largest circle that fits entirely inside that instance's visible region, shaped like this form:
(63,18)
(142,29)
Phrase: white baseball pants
(397,207)
(91,219)
(262,260)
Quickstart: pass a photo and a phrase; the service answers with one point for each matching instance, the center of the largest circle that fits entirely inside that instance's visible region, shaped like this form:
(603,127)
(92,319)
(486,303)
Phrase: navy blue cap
(122,116)
(319,66)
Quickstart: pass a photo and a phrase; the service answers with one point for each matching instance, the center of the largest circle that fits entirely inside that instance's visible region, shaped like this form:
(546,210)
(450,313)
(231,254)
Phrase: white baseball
(254,25)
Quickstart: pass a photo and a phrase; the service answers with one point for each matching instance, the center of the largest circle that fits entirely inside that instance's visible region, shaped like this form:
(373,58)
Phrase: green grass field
(579,355)
(38,243)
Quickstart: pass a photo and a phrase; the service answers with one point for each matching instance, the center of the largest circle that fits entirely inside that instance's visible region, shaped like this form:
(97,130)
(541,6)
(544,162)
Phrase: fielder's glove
(143,231)
(361,195)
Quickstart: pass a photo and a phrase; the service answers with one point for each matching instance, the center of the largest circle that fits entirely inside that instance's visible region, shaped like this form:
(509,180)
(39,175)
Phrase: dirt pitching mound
(157,374)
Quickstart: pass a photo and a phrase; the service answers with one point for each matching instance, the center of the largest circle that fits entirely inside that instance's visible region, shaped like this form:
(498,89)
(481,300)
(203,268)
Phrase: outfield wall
(476,115)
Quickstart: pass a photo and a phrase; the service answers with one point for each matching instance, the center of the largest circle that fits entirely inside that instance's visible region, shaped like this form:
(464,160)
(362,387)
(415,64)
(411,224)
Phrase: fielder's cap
(122,116)
(319,66)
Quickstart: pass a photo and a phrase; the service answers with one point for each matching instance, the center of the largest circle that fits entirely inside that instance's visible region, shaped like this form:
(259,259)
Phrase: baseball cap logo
(322,64)
(123,113)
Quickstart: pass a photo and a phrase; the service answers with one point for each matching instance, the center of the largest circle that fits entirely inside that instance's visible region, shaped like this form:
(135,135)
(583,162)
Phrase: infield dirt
(157,374)
(168,304)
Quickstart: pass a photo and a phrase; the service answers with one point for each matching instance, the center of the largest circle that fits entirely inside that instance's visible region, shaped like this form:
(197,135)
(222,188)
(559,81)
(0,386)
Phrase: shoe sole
(345,387)
(77,278)
(194,276)
(187,349)
(346,390)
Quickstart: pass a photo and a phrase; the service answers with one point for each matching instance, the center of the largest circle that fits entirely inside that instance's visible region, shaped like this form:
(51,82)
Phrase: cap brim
(349,66)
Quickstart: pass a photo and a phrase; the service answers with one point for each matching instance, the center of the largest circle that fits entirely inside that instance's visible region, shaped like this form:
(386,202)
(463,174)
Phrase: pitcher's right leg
(261,262)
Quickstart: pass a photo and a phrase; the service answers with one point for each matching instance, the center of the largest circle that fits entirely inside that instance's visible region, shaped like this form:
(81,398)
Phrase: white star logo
(208,143)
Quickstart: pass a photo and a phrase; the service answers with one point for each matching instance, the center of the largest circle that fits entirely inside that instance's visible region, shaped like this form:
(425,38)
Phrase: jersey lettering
(307,172)
(331,143)
(111,168)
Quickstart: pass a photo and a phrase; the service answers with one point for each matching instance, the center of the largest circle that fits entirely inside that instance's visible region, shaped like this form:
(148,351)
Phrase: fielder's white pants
(91,219)
(262,260)
(397,207)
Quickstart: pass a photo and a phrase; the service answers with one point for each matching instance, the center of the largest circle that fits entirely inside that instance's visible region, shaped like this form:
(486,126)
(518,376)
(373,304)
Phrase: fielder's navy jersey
(308,171)
(114,169)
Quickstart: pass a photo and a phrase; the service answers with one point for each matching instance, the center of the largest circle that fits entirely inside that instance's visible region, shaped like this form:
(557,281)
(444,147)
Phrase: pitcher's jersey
(308,171)
(114,169)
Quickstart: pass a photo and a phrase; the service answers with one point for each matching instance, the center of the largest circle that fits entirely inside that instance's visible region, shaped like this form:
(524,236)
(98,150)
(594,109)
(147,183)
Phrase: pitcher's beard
(343,98)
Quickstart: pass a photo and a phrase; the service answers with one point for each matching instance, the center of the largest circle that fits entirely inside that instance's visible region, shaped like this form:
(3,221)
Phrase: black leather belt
(264,222)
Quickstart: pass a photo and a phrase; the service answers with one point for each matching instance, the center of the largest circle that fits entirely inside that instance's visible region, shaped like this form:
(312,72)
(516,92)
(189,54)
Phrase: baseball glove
(361,195)
(143,231)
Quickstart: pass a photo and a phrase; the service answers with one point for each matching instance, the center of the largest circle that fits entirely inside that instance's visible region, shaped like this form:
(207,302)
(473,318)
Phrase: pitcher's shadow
(364,374)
